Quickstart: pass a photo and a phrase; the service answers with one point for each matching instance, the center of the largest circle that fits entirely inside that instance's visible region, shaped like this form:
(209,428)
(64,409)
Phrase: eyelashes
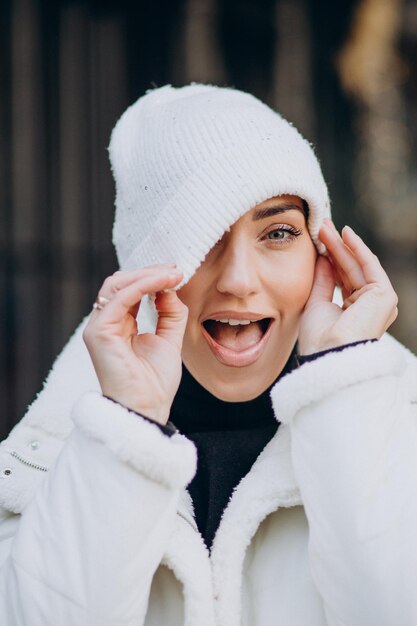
(293,233)
(279,235)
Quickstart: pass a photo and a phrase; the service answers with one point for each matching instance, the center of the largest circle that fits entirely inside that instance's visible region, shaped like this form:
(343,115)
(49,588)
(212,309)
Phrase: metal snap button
(5,473)
(34,445)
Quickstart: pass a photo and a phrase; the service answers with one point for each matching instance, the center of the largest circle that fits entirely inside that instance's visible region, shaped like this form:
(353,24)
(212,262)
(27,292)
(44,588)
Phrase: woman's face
(261,271)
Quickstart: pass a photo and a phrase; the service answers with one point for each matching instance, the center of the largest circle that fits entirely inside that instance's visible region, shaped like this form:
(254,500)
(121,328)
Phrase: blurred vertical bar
(75,159)
(7,309)
(202,59)
(92,96)
(292,88)
(28,228)
(108,99)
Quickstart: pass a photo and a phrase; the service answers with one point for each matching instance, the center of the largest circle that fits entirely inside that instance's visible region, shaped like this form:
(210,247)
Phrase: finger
(375,274)
(121,279)
(342,256)
(371,267)
(341,280)
(172,317)
(389,295)
(351,298)
(340,274)
(393,317)
(131,295)
(323,282)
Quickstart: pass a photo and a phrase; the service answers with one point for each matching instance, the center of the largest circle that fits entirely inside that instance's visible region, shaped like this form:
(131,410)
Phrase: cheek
(293,282)
(194,293)
(189,294)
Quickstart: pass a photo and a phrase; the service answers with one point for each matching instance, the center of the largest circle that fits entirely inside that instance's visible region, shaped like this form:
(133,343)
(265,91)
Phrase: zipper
(17,456)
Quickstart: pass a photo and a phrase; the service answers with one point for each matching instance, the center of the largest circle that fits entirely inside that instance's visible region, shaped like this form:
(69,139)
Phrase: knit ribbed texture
(189,161)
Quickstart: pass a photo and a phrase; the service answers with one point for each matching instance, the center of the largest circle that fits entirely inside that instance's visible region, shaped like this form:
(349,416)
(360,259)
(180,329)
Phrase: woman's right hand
(142,372)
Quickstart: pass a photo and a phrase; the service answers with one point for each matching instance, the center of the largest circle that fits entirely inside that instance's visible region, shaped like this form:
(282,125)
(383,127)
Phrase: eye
(282,234)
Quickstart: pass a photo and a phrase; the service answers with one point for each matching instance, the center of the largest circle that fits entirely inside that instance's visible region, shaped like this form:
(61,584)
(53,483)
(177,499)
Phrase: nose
(237,274)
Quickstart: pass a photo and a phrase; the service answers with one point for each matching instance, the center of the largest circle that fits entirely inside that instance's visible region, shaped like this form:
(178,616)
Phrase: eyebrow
(261,214)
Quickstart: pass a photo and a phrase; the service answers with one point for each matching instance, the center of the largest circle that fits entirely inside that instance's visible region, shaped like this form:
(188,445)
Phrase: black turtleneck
(229,436)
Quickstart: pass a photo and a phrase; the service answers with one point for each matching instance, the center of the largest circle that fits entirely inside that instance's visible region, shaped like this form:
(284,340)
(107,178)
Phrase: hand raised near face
(369,300)
(141,371)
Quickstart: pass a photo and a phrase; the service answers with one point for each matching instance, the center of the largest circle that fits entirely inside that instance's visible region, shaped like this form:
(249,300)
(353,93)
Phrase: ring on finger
(100,302)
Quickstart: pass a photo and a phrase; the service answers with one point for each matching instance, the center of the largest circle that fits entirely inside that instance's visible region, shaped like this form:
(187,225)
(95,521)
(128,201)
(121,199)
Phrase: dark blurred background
(345,73)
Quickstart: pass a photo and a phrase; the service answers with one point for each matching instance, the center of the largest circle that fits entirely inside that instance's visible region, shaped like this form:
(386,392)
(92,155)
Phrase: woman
(300,513)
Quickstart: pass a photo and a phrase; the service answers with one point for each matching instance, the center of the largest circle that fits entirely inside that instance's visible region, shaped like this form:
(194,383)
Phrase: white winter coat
(97,528)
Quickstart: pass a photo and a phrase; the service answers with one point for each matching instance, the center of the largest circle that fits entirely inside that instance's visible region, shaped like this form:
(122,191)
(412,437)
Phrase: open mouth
(237,342)
(237,335)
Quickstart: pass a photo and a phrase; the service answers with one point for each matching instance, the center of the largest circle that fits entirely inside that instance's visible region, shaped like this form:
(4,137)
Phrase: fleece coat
(97,528)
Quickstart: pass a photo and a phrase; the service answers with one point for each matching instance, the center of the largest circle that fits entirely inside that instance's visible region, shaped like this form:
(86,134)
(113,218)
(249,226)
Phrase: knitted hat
(189,161)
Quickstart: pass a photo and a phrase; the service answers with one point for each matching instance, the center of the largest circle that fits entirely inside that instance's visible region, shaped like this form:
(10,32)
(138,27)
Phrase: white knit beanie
(189,161)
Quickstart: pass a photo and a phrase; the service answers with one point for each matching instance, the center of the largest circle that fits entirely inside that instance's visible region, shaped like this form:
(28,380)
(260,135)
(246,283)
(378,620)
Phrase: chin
(236,384)
(229,391)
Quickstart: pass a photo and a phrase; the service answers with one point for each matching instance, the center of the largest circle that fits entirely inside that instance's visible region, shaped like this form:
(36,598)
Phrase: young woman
(220,443)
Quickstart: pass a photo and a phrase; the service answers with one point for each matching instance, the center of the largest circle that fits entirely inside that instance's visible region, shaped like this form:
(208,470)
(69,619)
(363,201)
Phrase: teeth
(233,322)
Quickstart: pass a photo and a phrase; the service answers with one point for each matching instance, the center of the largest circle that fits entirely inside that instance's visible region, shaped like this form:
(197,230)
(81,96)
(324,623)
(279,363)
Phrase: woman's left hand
(369,300)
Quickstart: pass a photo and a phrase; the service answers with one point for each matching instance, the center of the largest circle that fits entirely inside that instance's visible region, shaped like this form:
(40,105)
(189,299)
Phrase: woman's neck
(195,409)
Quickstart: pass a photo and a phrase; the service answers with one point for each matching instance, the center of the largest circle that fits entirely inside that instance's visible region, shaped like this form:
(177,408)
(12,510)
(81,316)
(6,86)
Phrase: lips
(210,325)
(237,337)
(234,344)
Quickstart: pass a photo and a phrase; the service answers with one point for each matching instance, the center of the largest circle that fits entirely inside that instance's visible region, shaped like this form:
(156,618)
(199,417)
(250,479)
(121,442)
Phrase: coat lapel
(269,485)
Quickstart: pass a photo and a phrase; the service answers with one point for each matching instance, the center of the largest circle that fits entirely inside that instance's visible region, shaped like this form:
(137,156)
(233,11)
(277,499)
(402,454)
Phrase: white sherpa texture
(17,488)
(269,485)
(48,419)
(333,371)
(171,461)
(71,375)
(189,162)
(47,422)
(188,557)
(27,463)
